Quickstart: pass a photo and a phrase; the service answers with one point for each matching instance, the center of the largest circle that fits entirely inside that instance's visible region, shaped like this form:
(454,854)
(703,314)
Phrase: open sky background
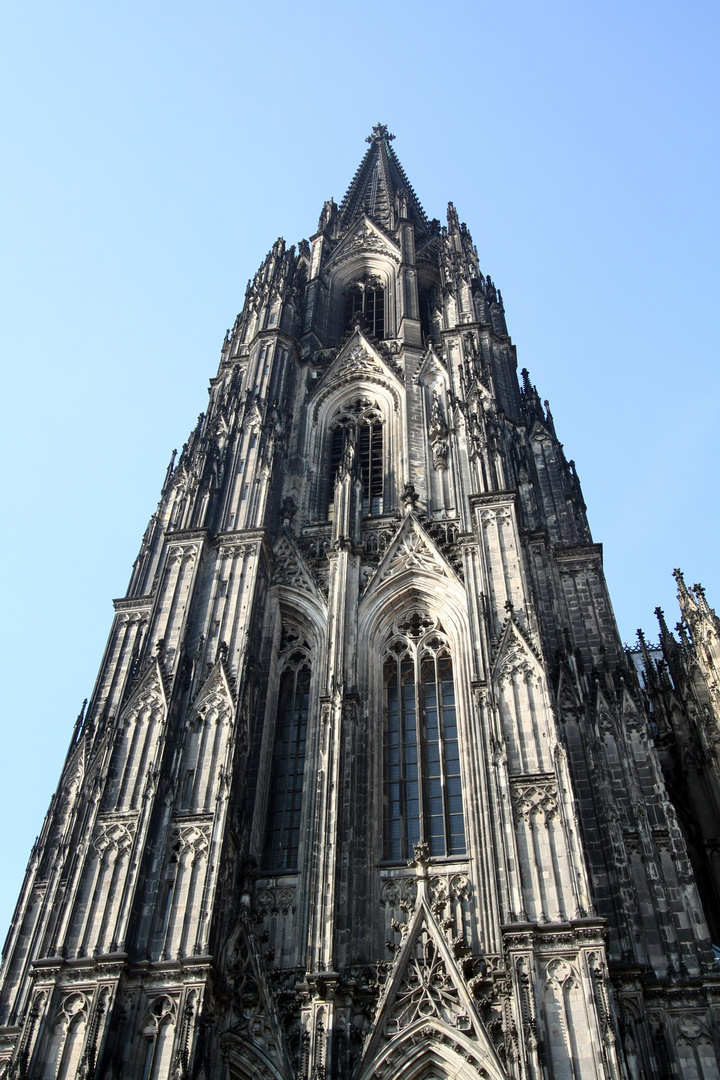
(153,151)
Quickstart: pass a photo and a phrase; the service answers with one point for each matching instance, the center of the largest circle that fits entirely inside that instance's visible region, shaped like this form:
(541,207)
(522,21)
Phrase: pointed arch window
(282,834)
(365,304)
(423,785)
(361,422)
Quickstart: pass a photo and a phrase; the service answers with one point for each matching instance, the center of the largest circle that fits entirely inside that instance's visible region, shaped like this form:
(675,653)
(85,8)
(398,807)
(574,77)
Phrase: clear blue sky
(154,151)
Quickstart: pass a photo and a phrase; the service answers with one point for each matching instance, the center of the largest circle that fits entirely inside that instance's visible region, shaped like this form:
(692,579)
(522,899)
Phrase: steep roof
(376,184)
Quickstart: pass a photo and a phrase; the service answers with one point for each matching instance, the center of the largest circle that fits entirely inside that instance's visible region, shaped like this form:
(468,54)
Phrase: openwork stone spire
(380,187)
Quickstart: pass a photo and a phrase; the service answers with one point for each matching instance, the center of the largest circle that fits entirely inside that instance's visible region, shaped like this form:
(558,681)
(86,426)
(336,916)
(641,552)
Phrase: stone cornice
(133,603)
(578,553)
(240,538)
(275,331)
(241,534)
(158,968)
(180,536)
(492,498)
(531,778)
(461,328)
(556,937)
(51,966)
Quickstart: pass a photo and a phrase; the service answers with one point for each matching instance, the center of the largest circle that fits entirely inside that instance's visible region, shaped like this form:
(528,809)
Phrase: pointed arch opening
(245,1061)
(364,306)
(69,1037)
(422,781)
(431,1051)
(359,424)
(282,830)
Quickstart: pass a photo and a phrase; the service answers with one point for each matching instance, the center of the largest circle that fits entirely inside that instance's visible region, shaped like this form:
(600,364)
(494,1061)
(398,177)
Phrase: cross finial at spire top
(380,132)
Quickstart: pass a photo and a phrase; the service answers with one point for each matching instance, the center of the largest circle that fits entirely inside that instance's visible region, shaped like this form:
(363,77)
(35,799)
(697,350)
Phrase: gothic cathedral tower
(365,787)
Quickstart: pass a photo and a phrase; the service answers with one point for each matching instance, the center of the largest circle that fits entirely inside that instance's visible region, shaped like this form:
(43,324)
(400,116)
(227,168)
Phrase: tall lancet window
(359,421)
(365,303)
(282,836)
(423,787)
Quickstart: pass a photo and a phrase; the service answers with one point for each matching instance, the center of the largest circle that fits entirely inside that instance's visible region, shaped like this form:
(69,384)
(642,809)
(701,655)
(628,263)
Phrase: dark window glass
(375,312)
(337,449)
(168,906)
(282,838)
(370,450)
(187,793)
(367,301)
(368,433)
(425,323)
(353,306)
(147,1064)
(423,793)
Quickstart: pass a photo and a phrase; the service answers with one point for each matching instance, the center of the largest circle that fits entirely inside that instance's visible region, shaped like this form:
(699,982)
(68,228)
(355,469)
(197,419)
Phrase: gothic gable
(356,360)
(76,764)
(568,698)
(540,434)
(254,1042)
(515,652)
(217,692)
(633,718)
(412,549)
(364,238)
(292,570)
(431,368)
(604,714)
(149,692)
(427,1006)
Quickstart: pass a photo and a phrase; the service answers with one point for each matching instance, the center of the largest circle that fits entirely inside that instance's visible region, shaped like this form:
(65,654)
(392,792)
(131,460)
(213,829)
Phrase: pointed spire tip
(379,132)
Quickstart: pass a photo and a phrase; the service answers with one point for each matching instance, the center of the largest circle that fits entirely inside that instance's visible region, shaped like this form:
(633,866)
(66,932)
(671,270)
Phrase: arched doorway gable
(248,1062)
(427,1017)
(413,564)
(430,1051)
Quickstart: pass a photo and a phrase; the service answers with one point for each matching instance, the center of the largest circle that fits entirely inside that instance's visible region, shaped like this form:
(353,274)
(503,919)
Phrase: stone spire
(380,187)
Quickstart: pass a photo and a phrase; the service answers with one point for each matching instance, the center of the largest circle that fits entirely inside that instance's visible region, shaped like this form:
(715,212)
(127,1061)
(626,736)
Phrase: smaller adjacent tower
(682,683)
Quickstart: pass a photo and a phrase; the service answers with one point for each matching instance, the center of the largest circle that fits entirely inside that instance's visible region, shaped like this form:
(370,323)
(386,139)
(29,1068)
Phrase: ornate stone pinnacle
(379,132)
(422,855)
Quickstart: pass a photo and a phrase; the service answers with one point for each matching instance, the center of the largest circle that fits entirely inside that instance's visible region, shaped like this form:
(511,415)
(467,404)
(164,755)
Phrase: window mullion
(421,741)
(285,804)
(443,764)
(371,477)
(402,756)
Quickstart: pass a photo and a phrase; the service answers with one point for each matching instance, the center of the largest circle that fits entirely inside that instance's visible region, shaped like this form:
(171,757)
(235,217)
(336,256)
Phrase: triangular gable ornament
(426,999)
(217,691)
(150,689)
(569,702)
(633,718)
(291,567)
(541,433)
(357,359)
(604,714)
(515,651)
(255,1039)
(364,237)
(431,364)
(412,549)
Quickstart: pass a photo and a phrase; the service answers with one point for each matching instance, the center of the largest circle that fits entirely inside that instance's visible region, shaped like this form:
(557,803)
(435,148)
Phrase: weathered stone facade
(681,678)
(367,785)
